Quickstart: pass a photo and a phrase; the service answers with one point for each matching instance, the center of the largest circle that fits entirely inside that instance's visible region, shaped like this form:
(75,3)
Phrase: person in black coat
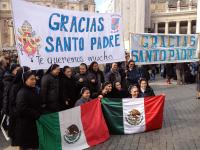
(28,110)
(3,66)
(169,72)
(95,79)
(16,85)
(118,92)
(145,90)
(113,75)
(68,88)
(133,74)
(106,91)
(50,89)
(81,77)
(7,81)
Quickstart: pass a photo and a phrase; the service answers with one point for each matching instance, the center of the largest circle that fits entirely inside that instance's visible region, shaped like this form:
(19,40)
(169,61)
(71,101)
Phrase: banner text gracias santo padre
(46,36)
(160,48)
(59,22)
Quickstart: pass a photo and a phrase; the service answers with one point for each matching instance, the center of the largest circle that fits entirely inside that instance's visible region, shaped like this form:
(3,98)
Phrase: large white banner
(149,48)
(45,36)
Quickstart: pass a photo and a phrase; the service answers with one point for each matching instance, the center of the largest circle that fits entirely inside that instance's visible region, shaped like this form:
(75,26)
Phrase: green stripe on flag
(49,132)
(113,113)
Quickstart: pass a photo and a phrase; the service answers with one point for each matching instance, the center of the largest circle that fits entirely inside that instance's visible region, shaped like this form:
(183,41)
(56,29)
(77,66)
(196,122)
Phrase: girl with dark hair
(50,89)
(118,91)
(28,110)
(106,91)
(68,88)
(85,96)
(95,79)
(81,77)
(145,89)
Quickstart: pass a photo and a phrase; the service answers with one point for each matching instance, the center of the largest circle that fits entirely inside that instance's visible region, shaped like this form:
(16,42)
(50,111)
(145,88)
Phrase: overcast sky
(100,5)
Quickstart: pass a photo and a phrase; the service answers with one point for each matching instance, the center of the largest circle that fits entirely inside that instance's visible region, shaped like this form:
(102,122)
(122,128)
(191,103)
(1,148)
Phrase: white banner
(45,36)
(163,48)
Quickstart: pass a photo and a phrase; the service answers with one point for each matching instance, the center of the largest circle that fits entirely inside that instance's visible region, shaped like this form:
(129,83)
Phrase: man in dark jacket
(133,74)
(81,77)
(113,75)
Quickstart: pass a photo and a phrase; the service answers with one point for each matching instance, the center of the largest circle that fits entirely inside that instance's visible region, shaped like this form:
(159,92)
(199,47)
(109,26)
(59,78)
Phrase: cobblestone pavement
(181,125)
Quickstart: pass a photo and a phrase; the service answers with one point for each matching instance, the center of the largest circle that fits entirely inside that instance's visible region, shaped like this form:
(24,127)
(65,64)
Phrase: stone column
(190,4)
(178,4)
(189,27)
(156,27)
(177,27)
(11,33)
(166,27)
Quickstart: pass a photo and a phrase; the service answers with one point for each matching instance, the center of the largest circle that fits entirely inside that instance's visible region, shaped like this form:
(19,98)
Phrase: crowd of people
(26,94)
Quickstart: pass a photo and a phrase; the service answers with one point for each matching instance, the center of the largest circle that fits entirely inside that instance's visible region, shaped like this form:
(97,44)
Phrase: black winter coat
(148,92)
(169,70)
(85,82)
(12,112)
(99,80)
(133,76)
(119,94)
(69,92)
(28,110)
(2,71)
(113,77)
(7,82)
(50,93)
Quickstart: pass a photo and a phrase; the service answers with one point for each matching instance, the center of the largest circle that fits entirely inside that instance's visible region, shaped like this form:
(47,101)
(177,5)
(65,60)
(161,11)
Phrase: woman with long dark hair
(145,89)
(118,91)
(95,79)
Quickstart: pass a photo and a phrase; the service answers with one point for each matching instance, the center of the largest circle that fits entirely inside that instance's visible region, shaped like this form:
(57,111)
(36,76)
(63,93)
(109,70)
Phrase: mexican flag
(133,115)
(74,129)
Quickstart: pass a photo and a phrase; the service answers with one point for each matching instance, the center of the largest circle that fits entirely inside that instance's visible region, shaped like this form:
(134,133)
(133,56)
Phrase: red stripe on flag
(154,107)
(94,125)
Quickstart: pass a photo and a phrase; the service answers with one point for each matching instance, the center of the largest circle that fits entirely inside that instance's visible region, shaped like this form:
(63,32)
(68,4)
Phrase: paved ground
(181,126)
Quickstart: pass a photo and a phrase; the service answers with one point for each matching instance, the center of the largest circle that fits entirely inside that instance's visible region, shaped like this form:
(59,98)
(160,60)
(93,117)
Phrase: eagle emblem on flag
(134,117)
(115,25)
(72,134)
(27,41)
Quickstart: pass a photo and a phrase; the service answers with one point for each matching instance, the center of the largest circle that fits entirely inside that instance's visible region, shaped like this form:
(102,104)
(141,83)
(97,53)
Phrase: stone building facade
(6,22)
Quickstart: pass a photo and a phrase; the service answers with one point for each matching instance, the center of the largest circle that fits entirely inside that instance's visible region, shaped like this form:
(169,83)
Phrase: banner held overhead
(45,36)
(163,48)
